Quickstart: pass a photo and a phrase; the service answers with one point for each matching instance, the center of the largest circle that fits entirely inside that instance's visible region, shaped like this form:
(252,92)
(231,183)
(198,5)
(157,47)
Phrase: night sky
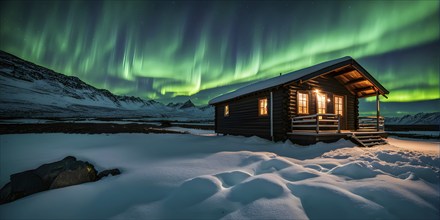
(173,50)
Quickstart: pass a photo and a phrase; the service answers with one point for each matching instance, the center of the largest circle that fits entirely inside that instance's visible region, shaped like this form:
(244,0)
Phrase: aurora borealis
(172,50)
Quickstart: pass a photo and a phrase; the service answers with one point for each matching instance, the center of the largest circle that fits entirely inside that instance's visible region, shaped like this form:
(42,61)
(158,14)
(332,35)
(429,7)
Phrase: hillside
(417,119)
(32,91)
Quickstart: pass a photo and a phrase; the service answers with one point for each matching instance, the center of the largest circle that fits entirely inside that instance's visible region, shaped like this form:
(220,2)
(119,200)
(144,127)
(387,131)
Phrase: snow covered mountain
(32,91)
(187,104)
(417,119)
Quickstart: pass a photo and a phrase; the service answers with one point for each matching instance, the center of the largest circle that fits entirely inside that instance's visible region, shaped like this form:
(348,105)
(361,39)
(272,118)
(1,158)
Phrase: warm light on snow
(210,177)
(425,146)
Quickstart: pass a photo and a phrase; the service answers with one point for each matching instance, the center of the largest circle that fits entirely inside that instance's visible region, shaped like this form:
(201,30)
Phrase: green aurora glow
(161,50)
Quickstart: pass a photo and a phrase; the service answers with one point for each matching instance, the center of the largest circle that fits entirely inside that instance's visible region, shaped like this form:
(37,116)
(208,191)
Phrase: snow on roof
(272,82)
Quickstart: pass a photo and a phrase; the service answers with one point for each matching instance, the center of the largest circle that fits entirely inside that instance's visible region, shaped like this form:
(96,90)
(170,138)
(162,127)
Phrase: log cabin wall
(244,119)
(291,105)
(280,119)
(330,87)
(356,113)
(243,116)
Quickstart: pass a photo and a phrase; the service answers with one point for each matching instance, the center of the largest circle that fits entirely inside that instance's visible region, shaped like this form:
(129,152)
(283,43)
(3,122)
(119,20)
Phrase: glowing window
(226,110)
(339,106)
(262,106)
(321,99)
(303,103)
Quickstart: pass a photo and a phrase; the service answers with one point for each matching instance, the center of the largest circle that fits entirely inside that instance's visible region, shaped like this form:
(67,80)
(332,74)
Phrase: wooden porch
(327,128)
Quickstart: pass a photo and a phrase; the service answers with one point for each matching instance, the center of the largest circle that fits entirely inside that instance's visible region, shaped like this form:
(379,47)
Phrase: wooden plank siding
(243,116)
(342,77)
(330,87)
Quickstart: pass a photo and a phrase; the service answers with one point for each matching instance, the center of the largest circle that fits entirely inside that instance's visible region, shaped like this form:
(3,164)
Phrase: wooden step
(370,144)
(367,130)
(357,141)
(368,140)
(374,143)
(372,140)
(368,137)
(365,137)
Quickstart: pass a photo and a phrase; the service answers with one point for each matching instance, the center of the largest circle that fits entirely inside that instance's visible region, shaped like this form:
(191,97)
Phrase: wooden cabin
(318,103)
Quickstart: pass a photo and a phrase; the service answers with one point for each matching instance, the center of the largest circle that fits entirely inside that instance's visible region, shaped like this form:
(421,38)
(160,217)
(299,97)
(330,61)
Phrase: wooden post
(339,123)
(317,111)
(378,110)
(317,123)
(216,107)
(271,115)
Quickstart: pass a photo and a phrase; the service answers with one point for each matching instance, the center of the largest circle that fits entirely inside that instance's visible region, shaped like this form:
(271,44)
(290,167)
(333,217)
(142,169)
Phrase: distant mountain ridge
(187,104)
(417,119)
(31,91)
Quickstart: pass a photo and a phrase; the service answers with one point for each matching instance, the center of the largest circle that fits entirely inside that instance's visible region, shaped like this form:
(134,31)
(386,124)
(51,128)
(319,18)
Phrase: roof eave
(345,62)
(366,74)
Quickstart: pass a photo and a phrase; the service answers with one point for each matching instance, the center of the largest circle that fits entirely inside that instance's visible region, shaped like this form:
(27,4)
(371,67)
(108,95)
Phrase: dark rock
(5,193)
(85,172)
(48,172)
(66,172)
(113,172)
(26,183)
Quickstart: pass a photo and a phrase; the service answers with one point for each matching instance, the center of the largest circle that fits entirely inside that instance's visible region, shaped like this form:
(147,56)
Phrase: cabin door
(340,108)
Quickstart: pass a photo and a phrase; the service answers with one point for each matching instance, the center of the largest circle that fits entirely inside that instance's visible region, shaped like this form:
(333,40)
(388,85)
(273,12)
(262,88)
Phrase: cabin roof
(346,70)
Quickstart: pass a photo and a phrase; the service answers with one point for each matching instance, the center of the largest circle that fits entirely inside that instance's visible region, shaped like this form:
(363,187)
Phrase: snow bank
(194,131)
(420,145)
(200,177)
(355,170)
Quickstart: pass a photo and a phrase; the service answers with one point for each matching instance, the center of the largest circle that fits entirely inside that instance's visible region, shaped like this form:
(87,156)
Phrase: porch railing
(316,122)
(371,123)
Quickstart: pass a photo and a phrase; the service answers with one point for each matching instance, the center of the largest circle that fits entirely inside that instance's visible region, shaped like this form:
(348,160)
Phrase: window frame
(261,107)
(226,111)
(307,105)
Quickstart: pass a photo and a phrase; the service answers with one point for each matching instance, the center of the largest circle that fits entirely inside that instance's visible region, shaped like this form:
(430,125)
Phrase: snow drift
(187,176)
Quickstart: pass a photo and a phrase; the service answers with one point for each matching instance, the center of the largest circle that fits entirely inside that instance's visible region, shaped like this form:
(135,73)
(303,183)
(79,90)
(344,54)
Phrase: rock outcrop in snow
(65,172)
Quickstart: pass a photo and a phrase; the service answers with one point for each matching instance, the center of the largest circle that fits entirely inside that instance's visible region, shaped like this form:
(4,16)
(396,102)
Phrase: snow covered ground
(229,177)
(422,145)
(431,134)
(193,131)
